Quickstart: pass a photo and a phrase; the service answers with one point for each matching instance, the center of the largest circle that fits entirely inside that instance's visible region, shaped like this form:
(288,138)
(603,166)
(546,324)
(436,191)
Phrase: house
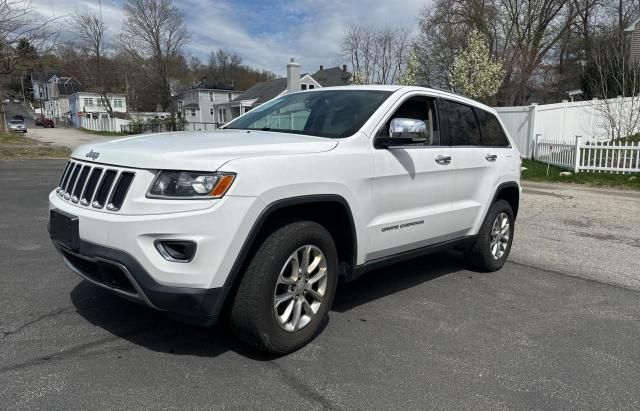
(39,84)
(201,102)
(58,90)
(333,77)
(91,105)
(634,34)
(267,90)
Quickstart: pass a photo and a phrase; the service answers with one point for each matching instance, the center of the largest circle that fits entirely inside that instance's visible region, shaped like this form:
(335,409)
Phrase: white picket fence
(590,156)
(103,124)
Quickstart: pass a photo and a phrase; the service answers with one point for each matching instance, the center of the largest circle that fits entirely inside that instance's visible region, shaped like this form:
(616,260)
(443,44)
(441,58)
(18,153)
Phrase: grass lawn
(104,133)
(536,171)
(18,146)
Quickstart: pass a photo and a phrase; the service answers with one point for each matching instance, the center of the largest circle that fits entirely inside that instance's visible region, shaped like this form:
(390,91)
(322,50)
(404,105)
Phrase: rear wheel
(493,243)
(286,292)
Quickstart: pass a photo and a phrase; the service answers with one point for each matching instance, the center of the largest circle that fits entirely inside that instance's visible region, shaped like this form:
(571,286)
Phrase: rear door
(411,186)
(477,154)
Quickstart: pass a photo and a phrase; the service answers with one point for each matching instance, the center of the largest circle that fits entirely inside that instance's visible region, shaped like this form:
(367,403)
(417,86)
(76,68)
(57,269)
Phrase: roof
(264,91)
(632,27)
(68,87)
(332,77)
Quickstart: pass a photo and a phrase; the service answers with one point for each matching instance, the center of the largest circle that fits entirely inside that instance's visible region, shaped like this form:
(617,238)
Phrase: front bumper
(120,273)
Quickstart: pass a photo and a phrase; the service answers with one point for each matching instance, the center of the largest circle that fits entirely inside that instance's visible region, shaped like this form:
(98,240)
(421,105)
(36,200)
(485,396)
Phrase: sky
(266,34)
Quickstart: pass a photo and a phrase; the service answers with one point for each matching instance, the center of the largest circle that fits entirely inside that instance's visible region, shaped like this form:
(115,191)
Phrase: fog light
(176,251)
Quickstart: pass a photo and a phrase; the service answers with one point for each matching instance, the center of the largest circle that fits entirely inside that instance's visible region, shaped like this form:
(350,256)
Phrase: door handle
(443,159)
(491,157)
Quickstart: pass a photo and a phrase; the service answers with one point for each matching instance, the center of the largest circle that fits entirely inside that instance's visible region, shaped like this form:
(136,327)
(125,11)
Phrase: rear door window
(462,126)
(492,133)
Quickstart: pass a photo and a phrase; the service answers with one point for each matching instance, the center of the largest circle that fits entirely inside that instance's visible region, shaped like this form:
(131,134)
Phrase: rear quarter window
(490,129)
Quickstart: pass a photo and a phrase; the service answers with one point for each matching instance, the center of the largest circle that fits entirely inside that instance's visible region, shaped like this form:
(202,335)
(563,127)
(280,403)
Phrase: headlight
(190,184)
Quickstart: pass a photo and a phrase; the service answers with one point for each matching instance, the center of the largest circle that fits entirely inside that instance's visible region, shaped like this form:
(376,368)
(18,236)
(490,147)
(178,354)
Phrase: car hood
(198,150)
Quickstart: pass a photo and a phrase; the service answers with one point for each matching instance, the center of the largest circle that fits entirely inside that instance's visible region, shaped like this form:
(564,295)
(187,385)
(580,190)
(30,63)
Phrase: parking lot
(557,328)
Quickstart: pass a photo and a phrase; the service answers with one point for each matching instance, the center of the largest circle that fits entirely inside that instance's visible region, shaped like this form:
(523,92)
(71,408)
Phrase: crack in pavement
(60,311)
(304,390)
(72,351)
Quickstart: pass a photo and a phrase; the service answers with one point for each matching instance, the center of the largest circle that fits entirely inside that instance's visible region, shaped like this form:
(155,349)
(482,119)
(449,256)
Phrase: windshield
(326,113)
(15,122)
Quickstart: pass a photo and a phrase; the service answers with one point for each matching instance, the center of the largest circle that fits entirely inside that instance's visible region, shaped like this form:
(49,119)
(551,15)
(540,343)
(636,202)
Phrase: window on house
(211,96)
(222,115)
(180,105)
(117,102)
(88,102)
(211,111)
(311,86)
(99,102)
(303,86)
(193,112)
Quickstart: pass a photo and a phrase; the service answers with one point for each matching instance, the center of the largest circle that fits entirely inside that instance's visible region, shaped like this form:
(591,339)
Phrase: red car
(47,122)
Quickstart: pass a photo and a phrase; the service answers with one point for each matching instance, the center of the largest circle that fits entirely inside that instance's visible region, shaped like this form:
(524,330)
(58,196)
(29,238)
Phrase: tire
(254,315)
(486,255)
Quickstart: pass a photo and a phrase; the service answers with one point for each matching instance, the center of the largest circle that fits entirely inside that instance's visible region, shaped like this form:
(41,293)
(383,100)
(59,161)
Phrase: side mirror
(404,131)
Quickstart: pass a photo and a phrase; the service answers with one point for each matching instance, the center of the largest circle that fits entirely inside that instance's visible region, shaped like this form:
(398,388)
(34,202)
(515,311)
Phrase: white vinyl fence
(103,124)
(590,156)
(563,121)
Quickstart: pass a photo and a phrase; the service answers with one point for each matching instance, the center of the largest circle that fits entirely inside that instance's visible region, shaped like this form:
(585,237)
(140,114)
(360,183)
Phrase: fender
(250,241)
(500,187)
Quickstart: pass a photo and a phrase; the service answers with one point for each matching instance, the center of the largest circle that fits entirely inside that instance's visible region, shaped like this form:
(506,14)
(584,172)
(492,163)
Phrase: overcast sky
(266,34)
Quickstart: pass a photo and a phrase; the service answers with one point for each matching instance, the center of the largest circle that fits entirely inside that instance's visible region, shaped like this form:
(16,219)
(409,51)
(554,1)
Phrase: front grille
(96,186)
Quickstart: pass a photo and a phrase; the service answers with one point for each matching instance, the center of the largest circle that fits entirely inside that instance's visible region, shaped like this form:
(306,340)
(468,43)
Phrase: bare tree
(154,33)
(614,77)
(19,21)
(91,29)
(224,67)
(377,55)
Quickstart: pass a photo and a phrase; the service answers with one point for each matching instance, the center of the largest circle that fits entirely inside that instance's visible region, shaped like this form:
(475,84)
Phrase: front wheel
(286,292)
(493,243)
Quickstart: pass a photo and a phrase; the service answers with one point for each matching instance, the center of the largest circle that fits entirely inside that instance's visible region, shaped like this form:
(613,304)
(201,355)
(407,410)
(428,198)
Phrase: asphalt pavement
(420,335)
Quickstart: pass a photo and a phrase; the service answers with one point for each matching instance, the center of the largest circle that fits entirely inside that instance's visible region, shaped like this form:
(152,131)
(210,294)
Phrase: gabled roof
(332,77)
(632,27)
(68,87)
(264,91)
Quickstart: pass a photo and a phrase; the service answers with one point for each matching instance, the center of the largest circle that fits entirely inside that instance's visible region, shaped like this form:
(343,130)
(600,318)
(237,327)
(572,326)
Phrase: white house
(200,104)
(58,90)
(90,105)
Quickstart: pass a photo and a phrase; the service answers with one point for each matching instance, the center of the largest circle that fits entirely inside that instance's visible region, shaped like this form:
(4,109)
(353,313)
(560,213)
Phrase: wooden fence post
(576,166)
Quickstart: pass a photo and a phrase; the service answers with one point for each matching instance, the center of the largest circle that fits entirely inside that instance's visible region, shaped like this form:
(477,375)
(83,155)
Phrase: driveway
(62,136)
(424,334)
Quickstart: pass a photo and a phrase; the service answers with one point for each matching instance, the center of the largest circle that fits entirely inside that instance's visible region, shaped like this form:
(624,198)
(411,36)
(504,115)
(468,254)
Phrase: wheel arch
(330,210)
(510,192)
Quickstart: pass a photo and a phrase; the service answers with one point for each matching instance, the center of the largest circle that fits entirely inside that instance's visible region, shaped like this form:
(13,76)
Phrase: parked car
(39,120)
(48,123)
(15,100)
(6,101)
(17,126)
(260,220)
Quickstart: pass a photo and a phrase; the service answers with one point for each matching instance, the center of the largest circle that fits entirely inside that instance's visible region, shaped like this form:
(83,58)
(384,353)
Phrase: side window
(491,130)
(461,125)
(417,108)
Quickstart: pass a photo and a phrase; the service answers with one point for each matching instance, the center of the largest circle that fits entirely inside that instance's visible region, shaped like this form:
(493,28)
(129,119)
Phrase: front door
(411,187)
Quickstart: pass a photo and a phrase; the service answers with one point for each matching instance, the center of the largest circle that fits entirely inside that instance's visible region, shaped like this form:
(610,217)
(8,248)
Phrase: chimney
(321,68)
(344,68)
(293,77)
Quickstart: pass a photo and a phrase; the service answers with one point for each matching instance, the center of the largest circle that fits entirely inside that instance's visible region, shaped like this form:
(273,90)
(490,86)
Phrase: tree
(90,29)
(409,76)
(475,74)
(378,54)
(155,35)
(22,33)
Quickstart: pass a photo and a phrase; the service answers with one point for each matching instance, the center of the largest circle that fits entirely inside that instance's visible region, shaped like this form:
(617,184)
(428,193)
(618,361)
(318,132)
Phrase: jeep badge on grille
(92,155)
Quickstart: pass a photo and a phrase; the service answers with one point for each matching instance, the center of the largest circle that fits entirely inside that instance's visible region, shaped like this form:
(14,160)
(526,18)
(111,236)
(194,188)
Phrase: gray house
(267,90)
(634,37)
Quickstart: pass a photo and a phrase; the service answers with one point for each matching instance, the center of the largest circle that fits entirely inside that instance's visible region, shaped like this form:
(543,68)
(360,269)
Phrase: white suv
(258,222)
